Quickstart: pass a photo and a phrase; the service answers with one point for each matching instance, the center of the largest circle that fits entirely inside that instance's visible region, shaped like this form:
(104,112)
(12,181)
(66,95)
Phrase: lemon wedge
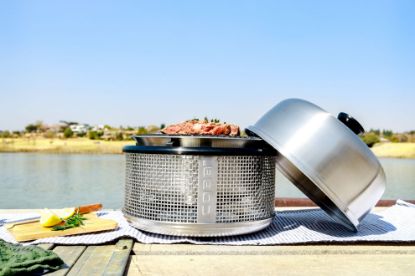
(48,218)
(65,213)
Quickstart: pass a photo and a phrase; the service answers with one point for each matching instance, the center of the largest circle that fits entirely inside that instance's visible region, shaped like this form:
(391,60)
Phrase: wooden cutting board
(33,230)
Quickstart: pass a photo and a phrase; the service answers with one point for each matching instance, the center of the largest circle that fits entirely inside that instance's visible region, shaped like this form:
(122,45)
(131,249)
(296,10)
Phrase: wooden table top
(127,257)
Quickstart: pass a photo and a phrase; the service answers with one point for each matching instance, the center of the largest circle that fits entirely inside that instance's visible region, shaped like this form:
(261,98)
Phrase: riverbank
(85,145)
(73,145)
(394,150)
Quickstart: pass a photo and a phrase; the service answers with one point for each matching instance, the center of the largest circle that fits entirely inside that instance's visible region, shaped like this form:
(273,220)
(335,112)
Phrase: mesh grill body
(164,188)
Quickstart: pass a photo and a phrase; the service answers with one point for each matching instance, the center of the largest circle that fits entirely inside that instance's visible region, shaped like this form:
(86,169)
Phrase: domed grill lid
(324,158)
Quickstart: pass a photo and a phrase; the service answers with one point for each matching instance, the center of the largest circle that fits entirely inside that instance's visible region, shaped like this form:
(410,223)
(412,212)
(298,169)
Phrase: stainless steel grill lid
(324,158)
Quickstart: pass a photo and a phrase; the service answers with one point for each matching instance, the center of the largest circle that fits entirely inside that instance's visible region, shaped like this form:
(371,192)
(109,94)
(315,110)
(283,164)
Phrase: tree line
(69,129)
(374,136)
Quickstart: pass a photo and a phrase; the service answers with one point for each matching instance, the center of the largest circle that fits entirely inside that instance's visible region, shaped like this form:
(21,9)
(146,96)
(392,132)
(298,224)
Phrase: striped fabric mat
(395,224)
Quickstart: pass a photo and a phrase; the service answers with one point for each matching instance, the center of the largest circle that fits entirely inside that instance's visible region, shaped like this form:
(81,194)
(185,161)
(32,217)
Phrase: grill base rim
(197,229)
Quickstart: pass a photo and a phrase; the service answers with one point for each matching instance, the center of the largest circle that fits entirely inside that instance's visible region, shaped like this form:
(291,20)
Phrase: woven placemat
(395,224)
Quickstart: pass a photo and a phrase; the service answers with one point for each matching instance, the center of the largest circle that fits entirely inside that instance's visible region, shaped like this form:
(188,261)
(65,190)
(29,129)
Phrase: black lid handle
(351,123)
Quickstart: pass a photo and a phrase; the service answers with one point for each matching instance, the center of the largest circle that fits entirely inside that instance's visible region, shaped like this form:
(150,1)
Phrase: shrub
(141,130)
(404,138)
(119,136)
(68,133)
(49,135)
(394,139)
(370,139)
(93,135)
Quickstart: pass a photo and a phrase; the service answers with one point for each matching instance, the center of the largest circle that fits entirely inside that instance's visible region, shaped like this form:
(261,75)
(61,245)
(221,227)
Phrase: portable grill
(199,185)
(216,186)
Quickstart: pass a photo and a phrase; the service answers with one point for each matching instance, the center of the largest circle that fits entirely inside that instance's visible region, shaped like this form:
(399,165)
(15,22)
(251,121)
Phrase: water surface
(38,180)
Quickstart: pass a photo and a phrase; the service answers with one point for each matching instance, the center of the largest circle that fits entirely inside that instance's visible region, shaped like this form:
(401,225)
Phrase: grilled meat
(202,127)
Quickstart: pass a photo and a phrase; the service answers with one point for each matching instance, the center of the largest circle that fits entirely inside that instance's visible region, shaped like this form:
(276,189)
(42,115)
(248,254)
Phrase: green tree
(68,133)
(31,128)
(387,133)
(17,133)
(35,127)
(5,134)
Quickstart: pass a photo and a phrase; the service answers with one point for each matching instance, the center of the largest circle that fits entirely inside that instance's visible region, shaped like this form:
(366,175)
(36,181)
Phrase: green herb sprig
(75,220)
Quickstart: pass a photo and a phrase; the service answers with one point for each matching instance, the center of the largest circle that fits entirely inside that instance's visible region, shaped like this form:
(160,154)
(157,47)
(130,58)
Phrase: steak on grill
(202,127)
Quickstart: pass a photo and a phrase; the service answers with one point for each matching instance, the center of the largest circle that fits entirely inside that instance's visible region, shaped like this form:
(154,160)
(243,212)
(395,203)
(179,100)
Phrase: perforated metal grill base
(197,195)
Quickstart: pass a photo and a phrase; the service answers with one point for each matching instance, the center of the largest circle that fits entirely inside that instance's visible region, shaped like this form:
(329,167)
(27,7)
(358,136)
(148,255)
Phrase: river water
(37,180)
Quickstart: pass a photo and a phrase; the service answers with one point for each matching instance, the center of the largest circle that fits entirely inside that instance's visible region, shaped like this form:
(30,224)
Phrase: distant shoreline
(394,150)
(55,145)
(87,146)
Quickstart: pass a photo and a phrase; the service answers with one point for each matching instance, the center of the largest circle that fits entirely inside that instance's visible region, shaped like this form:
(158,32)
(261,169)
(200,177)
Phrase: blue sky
(151,62)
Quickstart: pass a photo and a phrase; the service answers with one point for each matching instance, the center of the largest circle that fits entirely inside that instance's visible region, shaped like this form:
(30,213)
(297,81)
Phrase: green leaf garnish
(75,220)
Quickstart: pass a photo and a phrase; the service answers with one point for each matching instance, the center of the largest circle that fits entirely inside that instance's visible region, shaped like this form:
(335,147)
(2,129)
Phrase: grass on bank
(85,145)
(74,145)
(396,150)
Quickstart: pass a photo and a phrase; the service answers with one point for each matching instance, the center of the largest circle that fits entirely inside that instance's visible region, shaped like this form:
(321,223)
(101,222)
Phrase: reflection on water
(54,180)
(34,180)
